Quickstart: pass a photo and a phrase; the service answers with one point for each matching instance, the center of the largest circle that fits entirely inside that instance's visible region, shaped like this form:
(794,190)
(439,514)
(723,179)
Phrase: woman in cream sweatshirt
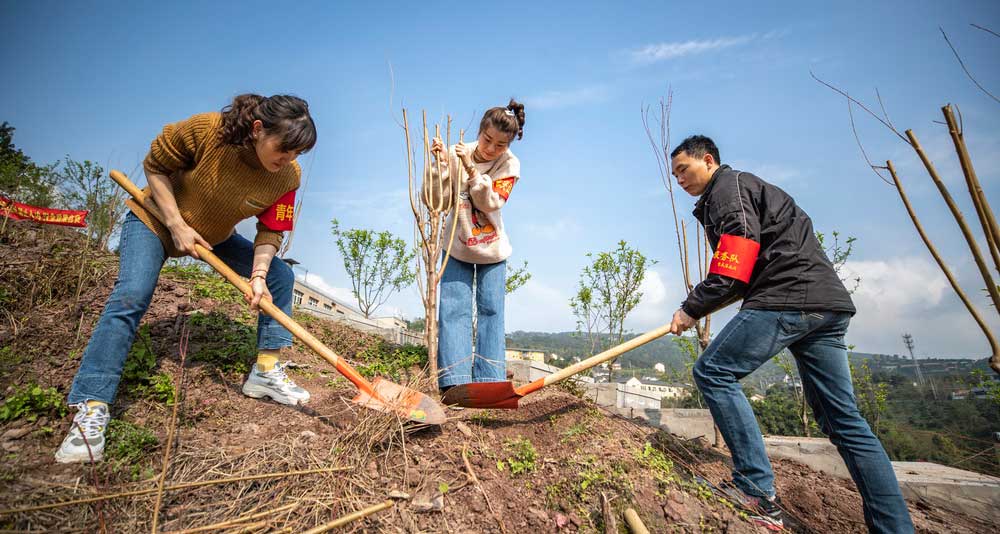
(487,171)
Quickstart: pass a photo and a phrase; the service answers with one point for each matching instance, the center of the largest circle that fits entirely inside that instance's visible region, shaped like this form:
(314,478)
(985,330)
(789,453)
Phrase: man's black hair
(697,146)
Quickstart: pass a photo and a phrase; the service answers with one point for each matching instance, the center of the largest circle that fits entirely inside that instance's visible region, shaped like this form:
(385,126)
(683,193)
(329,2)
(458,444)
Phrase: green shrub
(385,359)
(141,359)
(522,456)
(32,402)
(226,344)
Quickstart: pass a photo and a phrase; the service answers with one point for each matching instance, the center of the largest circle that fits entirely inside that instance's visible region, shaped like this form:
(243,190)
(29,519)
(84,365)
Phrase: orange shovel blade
(483,395)
(407,403)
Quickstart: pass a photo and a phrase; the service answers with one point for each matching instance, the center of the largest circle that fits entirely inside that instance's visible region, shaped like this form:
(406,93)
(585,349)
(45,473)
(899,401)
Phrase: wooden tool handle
(265,305)
(597,359)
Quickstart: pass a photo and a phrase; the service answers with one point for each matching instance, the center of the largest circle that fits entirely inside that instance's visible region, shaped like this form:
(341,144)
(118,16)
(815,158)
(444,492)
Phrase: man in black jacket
(767,254)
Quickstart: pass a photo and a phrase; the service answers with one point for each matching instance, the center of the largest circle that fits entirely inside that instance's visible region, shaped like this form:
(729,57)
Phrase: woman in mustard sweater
(206,173)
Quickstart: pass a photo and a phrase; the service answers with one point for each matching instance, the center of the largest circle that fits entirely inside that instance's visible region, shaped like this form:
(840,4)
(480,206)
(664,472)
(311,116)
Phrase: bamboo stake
(175,487)
(170,434)
(684,258)
(238,520)
(994,346)
(991,287)
(634,522)
(247,529)
(455,186)
(983,210)
(350,518)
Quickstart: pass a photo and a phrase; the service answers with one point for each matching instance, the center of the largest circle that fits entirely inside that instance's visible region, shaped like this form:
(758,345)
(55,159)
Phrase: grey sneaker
(274,384)
(765,512)
(85,440)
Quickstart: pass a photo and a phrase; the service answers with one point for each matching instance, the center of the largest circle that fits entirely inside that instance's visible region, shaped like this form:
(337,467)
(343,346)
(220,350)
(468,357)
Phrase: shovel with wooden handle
(505,395)
(380,395)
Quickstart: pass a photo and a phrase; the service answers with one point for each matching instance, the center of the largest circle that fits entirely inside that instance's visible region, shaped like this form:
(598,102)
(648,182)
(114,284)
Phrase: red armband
(735,257)
(280,215)
(503,186)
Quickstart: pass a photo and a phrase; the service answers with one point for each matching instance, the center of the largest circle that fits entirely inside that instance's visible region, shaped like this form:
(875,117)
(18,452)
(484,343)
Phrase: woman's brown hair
(283,115)
(509,120)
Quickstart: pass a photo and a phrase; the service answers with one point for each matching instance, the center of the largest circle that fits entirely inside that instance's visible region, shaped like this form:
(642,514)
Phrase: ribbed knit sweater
(216,185)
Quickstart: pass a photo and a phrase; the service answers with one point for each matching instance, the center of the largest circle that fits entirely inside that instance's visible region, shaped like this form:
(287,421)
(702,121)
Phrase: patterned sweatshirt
(480,236)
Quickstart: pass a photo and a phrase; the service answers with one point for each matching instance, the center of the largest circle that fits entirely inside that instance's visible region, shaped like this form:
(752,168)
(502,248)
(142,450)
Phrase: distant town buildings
(526,355)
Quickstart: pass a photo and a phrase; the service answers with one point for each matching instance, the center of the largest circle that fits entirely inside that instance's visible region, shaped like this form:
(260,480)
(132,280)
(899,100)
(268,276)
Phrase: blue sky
(97,80)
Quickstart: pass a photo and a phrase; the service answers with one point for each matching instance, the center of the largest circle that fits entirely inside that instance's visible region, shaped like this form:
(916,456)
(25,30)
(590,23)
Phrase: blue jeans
(457,363)
(141,258)
(816,339)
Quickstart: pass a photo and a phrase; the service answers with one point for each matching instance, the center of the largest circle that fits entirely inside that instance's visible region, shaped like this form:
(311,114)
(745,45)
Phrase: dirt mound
(547,467)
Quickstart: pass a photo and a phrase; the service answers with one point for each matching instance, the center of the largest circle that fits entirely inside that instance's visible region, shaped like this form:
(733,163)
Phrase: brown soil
(581,452)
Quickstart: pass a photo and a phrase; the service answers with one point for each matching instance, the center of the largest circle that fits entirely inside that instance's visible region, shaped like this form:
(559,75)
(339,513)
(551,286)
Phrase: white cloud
(563,99)
(538,307)
(657,305)
(912,295)
(343,294)
(653,53)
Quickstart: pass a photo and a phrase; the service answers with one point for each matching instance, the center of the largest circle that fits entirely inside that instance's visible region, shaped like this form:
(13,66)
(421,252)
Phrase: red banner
(24,212)
(735,257)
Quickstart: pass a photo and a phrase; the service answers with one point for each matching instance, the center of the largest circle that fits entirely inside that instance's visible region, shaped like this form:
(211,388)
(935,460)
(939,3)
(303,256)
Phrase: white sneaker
(82,446)
(274,384)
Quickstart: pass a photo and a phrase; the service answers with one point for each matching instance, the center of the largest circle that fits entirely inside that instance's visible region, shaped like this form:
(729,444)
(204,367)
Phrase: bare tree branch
(962,63)
(987,30)
(873,167)
(862,106)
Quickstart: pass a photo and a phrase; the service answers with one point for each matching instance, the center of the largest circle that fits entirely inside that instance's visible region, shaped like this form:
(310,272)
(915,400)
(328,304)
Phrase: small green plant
(443,487)
(9,358)
(573,387)
(611,477)
(662,467)
(483,417)
(573,431)
(522,456)
(128,444)
(159,388)
(224,343)
(141,359)
(32,402)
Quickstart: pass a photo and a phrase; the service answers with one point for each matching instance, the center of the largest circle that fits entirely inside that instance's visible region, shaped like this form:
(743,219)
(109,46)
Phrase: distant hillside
(569,345)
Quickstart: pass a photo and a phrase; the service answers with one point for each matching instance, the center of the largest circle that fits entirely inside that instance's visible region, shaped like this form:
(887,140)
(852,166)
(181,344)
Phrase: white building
(312,300)
(660,368)
(654,389)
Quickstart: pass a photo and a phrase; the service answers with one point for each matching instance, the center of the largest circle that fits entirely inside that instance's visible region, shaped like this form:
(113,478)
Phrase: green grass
(128,446)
